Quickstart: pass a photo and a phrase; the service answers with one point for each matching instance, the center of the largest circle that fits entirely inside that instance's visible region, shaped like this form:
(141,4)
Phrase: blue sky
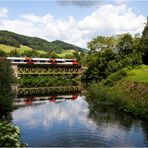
(83,20)
(18,8)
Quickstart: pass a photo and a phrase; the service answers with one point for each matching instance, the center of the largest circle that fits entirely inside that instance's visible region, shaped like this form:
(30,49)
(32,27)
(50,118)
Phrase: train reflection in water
(34,96)
(43,99)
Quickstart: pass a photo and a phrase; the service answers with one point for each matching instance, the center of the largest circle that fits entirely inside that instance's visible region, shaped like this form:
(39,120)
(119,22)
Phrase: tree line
(110,61)
(113,55)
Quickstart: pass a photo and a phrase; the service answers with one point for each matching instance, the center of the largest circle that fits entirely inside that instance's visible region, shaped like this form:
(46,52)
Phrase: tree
(31,53)
(69,56)
(14,53)
(53,55)
(102,42)
(5,86)
(76,55)
(83,58)
(2,54)
(125,45)
(110,54)
(144,43)
(98,64)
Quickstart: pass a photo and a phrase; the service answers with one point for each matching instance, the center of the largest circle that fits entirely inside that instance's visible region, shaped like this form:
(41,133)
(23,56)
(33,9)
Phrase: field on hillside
(66,52)
(7,48)
(139,74)
(22,49)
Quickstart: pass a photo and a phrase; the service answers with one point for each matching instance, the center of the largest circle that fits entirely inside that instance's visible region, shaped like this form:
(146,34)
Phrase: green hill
(25,50)
(16,40)
(67,46)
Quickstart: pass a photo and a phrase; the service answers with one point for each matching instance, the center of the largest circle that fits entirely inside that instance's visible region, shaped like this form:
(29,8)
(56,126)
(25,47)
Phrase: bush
(117,76)
(9,135)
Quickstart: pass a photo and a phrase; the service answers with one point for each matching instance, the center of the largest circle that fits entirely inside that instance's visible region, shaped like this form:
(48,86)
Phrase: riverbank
(129,95)
(9,134)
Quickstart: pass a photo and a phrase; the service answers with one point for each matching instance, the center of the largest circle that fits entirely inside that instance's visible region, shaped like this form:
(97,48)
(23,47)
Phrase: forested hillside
(13,39)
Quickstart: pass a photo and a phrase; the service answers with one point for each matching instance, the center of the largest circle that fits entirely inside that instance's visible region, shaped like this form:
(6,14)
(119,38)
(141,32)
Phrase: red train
(19,60)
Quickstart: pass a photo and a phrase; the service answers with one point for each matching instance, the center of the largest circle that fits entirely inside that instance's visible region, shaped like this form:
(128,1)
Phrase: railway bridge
(44,66)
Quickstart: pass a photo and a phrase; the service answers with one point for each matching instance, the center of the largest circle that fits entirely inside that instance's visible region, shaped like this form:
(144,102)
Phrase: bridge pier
(15,70)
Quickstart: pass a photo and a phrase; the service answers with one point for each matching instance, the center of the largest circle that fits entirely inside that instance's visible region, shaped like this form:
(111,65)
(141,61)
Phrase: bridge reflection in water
(47,90)
(40,95)
(66,119)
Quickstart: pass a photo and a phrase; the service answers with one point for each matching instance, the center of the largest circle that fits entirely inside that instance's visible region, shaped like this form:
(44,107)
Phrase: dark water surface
(72,121)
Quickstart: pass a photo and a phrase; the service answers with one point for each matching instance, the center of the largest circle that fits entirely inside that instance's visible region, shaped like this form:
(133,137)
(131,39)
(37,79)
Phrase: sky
(75,22)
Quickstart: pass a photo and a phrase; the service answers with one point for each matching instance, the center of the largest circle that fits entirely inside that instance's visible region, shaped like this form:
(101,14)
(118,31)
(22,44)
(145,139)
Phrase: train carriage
(44,61)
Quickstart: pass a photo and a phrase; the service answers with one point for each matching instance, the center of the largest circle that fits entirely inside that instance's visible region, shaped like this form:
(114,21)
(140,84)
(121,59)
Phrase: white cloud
(46,114)
(3,12)
(105,20)
(109,19)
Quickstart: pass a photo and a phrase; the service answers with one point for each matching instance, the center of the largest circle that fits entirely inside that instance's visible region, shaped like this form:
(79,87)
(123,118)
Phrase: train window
(26,60)
(59,61)
(33,61)
(17,60)
(42,61)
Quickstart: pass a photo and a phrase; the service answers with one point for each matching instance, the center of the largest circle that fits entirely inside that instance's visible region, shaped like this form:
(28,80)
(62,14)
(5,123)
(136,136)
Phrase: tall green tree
(125,45)
(102,42)
(5,86)
(144,43)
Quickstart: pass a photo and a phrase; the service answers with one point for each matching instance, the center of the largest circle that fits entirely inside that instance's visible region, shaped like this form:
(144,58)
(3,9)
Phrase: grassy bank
(129,95)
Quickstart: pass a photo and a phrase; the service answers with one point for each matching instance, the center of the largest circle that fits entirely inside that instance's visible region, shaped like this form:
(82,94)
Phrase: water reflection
(119,128)
(51,113)
(145,131)
(72,120)
(19,102)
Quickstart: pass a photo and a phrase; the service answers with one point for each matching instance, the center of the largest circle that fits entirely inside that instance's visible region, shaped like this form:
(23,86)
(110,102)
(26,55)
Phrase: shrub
(117,76)
(9,135)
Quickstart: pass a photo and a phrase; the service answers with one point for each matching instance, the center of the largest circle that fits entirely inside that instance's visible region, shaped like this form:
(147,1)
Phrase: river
(69,119)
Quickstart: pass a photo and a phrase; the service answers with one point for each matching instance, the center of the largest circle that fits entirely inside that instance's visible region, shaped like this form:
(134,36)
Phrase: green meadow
(139,74)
